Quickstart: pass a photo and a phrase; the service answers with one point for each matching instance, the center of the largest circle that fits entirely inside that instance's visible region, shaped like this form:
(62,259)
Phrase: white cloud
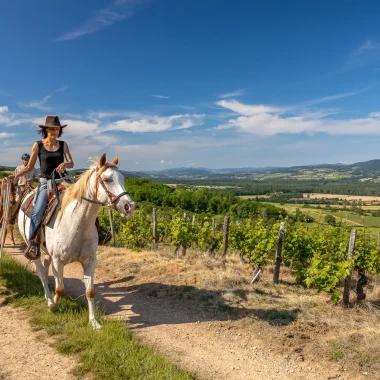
(232,94)
(117,11)
(3,109)
(267,123)
(106,140)
(161,96)
(248,110)
(157,123)
(374,114)
(162,162)
(4,135)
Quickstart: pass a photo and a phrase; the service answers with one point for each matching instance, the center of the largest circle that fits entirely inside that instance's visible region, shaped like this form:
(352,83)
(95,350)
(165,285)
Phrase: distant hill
(367,165)
(361,169)
(128,174)
(182,172)
(7,168)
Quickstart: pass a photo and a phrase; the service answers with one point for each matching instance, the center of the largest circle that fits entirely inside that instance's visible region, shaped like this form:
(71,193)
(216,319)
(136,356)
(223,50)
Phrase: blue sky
(166,83)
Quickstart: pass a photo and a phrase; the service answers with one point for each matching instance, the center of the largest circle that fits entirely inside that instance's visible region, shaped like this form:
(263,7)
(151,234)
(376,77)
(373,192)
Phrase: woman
(52,154)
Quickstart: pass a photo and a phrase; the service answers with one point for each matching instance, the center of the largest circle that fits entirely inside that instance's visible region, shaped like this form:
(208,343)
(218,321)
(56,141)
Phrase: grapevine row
(316,255)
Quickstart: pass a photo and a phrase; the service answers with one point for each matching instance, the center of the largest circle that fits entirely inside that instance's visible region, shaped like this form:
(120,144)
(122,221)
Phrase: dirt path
(205,343)
(25,354)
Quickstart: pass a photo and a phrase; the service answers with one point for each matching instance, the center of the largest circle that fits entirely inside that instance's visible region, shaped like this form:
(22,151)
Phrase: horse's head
(110,187)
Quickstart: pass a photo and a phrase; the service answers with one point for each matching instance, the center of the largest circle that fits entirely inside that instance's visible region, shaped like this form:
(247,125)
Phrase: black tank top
(49,160)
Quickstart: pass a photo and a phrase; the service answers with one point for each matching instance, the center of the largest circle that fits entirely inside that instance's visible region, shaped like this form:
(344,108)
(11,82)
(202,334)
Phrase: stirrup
(32,251)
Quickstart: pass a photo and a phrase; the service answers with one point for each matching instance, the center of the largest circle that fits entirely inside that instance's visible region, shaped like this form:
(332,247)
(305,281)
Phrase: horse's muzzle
(130,208)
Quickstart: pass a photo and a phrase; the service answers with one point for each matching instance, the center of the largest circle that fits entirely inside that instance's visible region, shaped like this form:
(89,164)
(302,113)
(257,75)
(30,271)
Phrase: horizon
(166,84)
(223,168)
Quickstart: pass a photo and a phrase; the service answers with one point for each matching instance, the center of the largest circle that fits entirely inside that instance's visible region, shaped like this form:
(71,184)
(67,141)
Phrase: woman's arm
(31,163)
(69,161)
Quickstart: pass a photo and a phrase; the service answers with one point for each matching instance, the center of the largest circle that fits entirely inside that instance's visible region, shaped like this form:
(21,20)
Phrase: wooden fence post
(226,227)
(112,224)
(277,266)
(213,225)
(193,220)
(155,234)
(351,247)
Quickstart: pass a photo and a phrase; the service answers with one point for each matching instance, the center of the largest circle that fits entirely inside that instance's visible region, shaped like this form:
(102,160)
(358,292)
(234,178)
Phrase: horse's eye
(108,180)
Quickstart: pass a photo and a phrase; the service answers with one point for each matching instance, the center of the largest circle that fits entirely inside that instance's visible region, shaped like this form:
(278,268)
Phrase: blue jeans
(40,205)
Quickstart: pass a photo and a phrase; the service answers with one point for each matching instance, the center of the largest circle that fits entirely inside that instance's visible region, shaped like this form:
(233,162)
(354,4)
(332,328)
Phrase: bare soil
(204,315)
(27,355)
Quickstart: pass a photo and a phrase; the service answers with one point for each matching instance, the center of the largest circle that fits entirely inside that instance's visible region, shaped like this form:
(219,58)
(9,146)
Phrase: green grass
(110,353)
(336,352)
(348,218)
(253,196)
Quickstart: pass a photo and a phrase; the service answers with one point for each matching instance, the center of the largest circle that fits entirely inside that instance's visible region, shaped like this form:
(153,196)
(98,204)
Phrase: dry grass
(363,198)
(291,318)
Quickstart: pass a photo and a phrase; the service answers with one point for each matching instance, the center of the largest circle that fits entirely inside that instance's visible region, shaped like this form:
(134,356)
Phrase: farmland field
(347,217)
(341,196)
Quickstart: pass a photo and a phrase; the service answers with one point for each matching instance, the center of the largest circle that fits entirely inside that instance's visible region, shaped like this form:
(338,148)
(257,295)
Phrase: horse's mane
(75,192)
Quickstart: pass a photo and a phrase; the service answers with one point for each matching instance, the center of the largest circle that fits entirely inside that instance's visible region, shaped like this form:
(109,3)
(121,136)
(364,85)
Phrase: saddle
(53,202)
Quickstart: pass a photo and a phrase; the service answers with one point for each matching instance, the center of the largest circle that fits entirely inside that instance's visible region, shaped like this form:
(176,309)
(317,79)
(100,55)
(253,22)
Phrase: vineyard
(320,256)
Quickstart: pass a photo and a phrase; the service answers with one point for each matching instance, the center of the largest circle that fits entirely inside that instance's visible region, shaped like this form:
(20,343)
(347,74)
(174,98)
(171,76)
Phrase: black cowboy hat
(52,121)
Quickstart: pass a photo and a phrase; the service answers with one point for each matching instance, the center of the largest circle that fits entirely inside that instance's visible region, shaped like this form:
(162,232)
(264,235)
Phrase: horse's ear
(116,160)
(102,160)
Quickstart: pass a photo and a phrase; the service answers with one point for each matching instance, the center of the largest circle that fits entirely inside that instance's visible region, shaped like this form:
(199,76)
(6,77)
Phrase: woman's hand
(13,179)
(61,168)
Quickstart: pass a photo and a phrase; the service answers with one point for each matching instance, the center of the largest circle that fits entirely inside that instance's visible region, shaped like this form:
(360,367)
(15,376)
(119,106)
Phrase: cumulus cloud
(269,121)
(3,109)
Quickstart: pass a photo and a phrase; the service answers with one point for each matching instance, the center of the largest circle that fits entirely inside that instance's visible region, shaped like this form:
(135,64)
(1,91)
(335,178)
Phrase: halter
(112,198)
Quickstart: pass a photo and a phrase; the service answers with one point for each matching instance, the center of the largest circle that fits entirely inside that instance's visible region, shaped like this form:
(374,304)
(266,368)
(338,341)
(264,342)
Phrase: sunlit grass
(109,353)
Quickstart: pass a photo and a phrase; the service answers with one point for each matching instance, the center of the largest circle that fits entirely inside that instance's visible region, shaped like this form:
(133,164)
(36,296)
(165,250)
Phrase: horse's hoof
(96,325)
(52,306)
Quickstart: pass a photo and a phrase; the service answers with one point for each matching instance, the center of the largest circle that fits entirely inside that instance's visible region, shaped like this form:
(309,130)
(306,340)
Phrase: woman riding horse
(52,154)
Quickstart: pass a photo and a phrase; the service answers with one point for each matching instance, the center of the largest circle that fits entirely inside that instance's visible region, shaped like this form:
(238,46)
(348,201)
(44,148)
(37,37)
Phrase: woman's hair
(44,133)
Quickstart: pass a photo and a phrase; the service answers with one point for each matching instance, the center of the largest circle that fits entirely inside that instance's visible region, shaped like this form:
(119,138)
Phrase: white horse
(71,234)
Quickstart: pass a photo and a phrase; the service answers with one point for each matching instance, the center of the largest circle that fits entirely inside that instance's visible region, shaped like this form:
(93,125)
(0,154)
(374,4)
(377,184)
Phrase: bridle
(112,198)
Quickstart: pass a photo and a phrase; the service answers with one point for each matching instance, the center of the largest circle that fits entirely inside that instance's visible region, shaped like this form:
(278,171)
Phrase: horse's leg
(58,275)
(12,227)
(43,277)
(46,263)
(89,270)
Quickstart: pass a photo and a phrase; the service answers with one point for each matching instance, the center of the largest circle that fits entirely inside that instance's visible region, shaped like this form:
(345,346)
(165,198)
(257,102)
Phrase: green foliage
(330,219)
(297,249)
(137,232)
(148,194)
(255,242)
(182,233)
(329,263)
(206,237)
